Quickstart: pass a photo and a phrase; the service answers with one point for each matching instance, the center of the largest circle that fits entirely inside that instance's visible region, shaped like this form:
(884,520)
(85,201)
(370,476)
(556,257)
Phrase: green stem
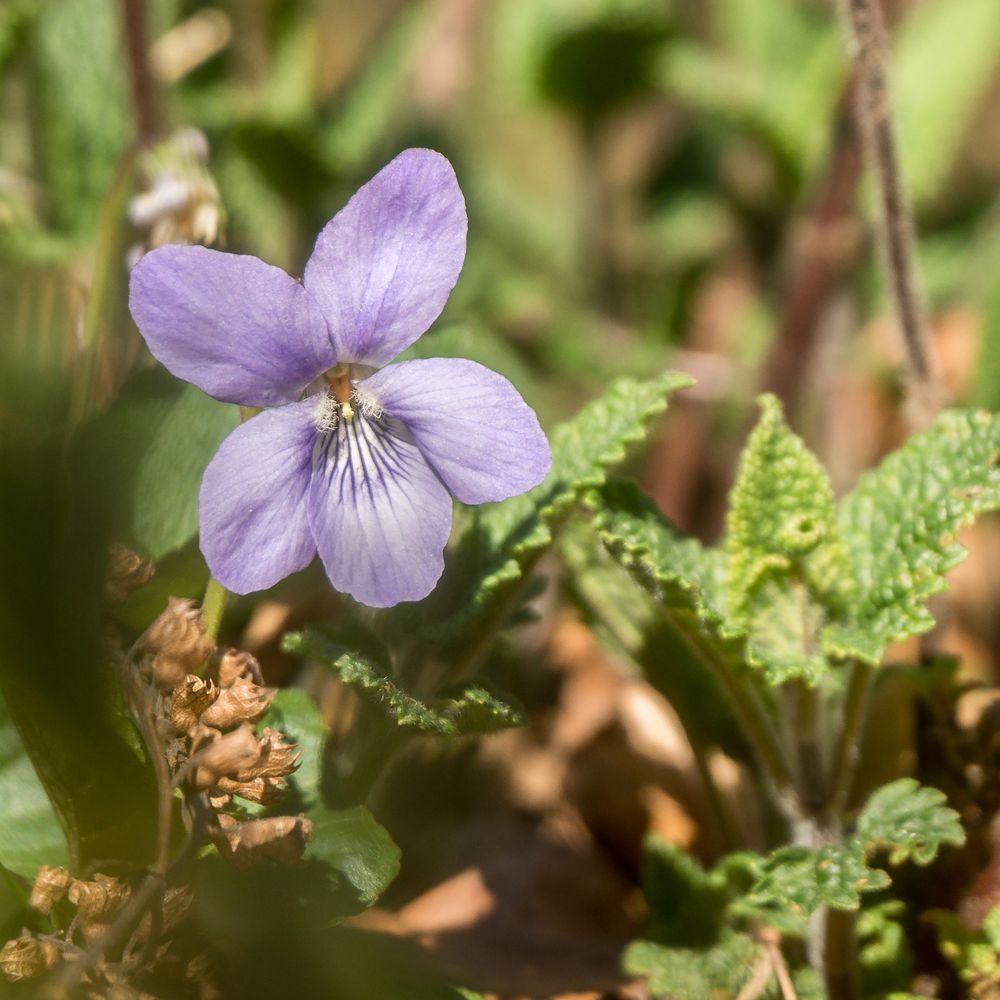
(757,724)
(108,262)
(845,756)
(805,709)
(212,607)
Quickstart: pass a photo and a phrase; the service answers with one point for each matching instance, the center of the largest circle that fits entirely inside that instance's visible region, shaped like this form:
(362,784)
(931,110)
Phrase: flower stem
(212,606)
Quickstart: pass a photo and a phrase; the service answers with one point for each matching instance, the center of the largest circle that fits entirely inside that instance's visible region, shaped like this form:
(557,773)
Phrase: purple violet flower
(358,456)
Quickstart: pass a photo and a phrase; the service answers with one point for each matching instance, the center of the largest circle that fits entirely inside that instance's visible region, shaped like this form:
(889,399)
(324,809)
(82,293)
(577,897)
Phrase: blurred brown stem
(826,248)
(145,95)
(866,32)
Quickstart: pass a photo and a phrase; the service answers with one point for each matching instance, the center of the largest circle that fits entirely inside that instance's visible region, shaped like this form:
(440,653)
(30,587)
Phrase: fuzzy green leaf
(355,846)
(899,526)
(719,970)
(781,515)
(806,878)
(476,710)
(680,571)
(786,563)
(910,821)
(471,710)
(699,942)
(371,677)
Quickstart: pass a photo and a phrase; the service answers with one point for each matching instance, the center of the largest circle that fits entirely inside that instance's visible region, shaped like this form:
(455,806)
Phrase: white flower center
(343,398)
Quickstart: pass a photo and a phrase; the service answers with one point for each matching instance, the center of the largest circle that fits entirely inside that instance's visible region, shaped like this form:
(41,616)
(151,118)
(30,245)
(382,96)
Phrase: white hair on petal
(326,414)
(367,404)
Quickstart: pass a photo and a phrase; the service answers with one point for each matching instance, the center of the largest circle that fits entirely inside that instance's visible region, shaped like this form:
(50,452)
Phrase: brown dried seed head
(178,638)
(235,664)
(277,838)
(50,886)
(99,899)
(227,756)
(277,760)
(25,957)
(126,572)
(190,700)
(242,701)
(168,671)
(262,790)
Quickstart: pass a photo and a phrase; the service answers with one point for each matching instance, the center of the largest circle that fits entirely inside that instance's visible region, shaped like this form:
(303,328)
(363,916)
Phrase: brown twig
(826,246)
(145,96)
(866,32)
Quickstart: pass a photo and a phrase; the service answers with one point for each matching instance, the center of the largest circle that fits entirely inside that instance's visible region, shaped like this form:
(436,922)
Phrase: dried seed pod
(50,886)
(226,756)
(178,639)
(190,700)
(277,838)
(26,957)
(126,572)
(235,664)
(262,790)
(99,899)
(242,701)
(277,760)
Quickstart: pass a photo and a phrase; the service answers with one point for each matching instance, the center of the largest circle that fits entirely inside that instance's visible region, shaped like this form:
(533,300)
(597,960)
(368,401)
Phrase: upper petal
(254,522)
(379,514)
(470,423)
(384,265)
(241,330)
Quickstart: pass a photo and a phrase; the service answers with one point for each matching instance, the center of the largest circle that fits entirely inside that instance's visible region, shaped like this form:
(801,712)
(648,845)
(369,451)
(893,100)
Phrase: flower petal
(379,514)
(470,423)
(384,265)
(254,522)
(241,330)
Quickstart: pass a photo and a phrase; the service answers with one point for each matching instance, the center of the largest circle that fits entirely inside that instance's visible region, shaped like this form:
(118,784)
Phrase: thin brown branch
(145,95)
(866,32)
(824,249)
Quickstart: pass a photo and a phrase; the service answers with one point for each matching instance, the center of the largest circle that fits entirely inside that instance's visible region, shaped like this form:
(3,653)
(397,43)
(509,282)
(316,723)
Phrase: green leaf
(368,671)
(720,970)
(680,571)
(30,834)
(151,448)
(781,516)
(884,952)
(476,710)
(910,821)
(504,540)
(806,878)
(899,526)
(82,109)
(295,714)
(786,566)
(371,676)
(14,893)
(357,847)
